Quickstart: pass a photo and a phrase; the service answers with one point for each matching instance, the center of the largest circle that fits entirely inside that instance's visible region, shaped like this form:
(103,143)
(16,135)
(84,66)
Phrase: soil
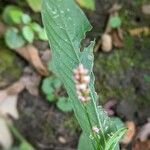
(119,76)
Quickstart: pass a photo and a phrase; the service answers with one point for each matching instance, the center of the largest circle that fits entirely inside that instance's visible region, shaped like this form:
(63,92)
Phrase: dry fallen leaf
(31,81)
(106,42)
(115,8)
(130,133)
(138,145)
(5,135)
(15,88)
(139,31)
(117,38)
(144,132)
(8,99)
(146,9)
(46,56)
(112,35)
(8,107)
(30,53)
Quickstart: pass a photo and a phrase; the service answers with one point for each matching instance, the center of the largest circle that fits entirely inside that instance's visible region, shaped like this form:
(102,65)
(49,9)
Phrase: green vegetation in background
(51,87)
(9,70)
(21,29)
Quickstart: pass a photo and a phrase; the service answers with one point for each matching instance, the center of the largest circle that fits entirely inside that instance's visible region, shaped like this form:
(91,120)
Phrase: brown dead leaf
(138,145)
(30,53)
(115,8)
(146,9)
(8,107)
(139,31)
(6,139)
(144,132)
(130,132)
(8,99)
(117,38)
(3,94)
(15,88)
(31,81)
(46,56)
(111,36)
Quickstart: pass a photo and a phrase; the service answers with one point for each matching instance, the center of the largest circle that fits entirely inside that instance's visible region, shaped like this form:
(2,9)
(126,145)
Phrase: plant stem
(91,128)
(98,118)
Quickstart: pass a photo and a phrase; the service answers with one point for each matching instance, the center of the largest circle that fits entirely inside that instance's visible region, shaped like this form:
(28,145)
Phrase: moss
(47,129)
(120,74)
(71,124)
(10,70)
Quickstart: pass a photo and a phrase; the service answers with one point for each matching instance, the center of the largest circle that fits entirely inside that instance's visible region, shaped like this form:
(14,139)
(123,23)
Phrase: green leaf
(114,139)
(64,104)
(115,22)
(119,123)
(84,143)
(51,97)
(35,5)
(42,35)
(66,26)
(147,78)
(26,19)
(28,34)
(65,35)
(36,27)
(25,146)
(89,4)
(12,15)
(50,84)
(13,38)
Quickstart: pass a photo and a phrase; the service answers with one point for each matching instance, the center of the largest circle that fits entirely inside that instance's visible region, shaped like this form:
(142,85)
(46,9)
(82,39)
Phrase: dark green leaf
(64,104)
(28,34)
(13,38)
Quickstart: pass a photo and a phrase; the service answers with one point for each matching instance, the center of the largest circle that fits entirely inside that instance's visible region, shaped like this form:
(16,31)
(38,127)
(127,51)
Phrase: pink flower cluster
(82,80)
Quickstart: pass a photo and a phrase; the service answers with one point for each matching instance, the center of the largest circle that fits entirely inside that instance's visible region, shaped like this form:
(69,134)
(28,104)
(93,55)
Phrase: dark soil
(43,124)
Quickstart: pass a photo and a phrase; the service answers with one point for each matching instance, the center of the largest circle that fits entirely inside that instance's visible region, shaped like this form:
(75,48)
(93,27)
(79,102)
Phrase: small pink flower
(95,129)
(86,79)
(82,86)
